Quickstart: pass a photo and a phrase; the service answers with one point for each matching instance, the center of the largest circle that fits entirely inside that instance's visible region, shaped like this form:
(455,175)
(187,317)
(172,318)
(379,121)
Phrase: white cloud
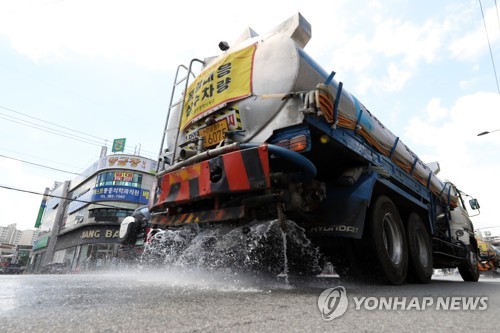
(396,45)
(148,33)
(435,111)
(468,84)
(466,159)
(374,4)
(395,79)
(470,46)
(154,35)
(475,43)
(470,115)
(411,41)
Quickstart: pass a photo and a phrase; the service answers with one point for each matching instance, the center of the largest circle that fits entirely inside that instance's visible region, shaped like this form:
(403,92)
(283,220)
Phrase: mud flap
(343,212)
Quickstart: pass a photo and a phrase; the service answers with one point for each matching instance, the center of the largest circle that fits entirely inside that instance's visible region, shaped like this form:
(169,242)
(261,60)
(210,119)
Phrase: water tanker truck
(263,132)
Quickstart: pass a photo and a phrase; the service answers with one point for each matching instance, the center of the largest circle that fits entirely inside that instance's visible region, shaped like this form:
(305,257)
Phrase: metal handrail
(182,104)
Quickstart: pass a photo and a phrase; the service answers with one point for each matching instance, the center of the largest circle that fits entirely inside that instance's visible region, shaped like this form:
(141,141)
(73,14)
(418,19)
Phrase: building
(82,229)
(7,253)
(15,245)
(28,237)
(10,234)
(23,253)
(52,207)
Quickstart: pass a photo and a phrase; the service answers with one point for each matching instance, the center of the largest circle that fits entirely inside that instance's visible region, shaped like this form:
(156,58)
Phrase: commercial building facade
(53,205)
(96,203)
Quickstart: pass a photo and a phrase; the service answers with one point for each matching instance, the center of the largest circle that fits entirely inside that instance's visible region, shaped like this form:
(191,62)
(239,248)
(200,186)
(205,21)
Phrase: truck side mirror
(474,204)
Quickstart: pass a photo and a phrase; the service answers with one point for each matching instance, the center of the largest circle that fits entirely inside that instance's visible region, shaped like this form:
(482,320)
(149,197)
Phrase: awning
(117,204)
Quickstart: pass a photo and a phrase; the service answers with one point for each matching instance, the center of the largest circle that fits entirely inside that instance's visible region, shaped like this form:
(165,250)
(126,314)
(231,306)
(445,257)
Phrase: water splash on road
(259,248)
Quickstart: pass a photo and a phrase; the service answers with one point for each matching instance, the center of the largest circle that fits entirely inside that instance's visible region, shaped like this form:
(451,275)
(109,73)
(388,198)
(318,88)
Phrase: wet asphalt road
(161,301)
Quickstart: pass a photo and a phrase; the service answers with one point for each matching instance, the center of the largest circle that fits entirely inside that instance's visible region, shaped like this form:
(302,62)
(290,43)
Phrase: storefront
(89,248)
(38,253)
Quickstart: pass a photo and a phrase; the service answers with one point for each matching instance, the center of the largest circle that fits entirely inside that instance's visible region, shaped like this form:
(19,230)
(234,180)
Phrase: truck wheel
(420,250)
(387,242)
(469,270)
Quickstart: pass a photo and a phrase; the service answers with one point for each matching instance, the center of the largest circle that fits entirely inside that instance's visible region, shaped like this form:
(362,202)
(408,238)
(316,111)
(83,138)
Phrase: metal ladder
(187,73)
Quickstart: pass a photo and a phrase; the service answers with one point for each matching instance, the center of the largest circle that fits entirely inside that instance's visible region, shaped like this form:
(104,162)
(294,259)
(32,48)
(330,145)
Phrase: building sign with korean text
(128,162)
(116,161)
(123,176)
(228,80)
(121,193)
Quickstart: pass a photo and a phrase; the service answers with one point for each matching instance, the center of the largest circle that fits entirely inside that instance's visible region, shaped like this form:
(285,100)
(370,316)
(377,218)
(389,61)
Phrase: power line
(42,158)
(51,123)
(78,95)
(40,165)
(58,197)
(489,44)
(49,130)
(62,133)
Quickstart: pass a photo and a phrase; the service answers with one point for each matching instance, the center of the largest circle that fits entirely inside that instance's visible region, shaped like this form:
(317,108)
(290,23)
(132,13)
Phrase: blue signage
(120,193)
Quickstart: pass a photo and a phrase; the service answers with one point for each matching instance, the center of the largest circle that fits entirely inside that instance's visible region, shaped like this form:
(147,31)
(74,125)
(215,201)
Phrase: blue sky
(105,68)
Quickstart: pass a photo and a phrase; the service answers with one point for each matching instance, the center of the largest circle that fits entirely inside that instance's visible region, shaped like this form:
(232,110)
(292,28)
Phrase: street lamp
(488,132)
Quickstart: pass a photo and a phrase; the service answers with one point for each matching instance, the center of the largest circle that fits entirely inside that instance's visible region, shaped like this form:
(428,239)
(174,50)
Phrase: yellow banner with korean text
(228,80)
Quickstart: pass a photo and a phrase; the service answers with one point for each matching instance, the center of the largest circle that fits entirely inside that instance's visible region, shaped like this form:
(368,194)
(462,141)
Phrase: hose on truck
(322,100)
(308,168)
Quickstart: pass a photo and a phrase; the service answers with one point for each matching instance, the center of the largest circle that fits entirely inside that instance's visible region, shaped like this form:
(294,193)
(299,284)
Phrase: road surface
(191,301)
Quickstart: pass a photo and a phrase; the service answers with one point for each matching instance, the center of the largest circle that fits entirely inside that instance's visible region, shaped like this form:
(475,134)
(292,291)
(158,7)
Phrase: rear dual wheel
(388,252)
(401,253)
(386,242)
(420,267)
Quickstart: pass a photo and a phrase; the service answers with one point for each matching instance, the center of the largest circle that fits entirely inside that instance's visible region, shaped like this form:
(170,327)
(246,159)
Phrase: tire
(469,270)
(420,267)
(386,242)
